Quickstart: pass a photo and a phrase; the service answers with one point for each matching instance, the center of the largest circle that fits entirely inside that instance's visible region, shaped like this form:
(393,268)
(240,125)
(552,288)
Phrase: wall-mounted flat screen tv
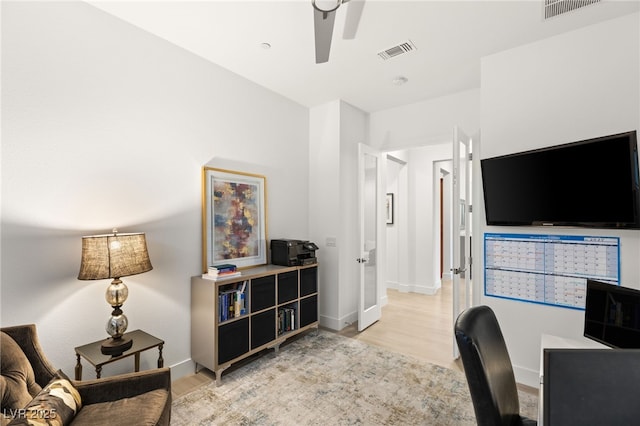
(612,315)
(593,183)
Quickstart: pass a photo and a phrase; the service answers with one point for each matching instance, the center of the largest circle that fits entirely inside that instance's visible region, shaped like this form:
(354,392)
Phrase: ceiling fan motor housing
(326,5)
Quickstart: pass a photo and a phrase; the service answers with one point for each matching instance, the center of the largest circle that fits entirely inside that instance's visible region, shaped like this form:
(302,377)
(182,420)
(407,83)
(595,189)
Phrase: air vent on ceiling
(399,49)
(558,7)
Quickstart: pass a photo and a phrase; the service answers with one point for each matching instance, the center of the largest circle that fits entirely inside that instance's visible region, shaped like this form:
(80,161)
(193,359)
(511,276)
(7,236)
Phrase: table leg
(78,368)
(160,359)
(137,357)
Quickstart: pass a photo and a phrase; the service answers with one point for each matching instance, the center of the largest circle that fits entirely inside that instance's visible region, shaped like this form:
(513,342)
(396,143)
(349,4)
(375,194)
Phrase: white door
(370,225)
(461,225)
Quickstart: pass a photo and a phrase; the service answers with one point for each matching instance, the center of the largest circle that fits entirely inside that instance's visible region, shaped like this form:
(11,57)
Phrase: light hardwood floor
(412,324)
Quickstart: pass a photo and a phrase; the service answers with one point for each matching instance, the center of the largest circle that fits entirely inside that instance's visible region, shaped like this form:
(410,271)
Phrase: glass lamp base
(117,346)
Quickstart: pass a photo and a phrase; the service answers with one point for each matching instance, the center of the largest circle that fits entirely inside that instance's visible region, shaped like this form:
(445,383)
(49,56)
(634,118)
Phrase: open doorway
(416,318)
(418,241)
(419,256)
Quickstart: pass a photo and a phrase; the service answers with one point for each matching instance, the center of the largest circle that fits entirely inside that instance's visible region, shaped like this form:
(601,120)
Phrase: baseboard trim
(420,288)
(527,376)
(182,369)
(337,324)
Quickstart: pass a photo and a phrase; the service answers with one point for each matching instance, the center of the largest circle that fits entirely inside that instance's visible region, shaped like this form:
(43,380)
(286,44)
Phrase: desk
(548,341)
(141,342)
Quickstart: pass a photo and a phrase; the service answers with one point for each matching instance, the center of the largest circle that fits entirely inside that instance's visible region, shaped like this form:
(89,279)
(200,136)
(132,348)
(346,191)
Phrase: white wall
(413,241)
(324,216)
(423,221)
(336,128)
(105,125)
(429,122)
(574,86)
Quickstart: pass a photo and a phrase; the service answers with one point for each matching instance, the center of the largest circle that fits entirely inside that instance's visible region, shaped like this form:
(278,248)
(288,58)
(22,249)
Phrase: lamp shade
(113,256)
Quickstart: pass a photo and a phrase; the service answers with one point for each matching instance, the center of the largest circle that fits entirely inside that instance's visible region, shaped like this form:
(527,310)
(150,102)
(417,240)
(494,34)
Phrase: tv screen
(592,183)
(612,315)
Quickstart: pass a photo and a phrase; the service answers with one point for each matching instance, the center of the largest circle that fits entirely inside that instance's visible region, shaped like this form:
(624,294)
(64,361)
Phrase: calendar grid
(548,269)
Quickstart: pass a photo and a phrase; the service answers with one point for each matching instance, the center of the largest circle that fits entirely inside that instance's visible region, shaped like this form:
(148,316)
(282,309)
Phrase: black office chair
(488,369)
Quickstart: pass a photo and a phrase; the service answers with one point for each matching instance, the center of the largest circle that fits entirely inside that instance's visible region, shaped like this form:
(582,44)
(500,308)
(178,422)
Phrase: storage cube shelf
(235,318)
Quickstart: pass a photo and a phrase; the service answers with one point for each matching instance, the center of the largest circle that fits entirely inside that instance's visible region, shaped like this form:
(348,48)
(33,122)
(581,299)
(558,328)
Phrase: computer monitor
(612,315)
(591,387)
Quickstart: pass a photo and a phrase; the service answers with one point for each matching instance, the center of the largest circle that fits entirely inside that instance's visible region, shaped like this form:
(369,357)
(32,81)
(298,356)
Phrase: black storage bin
(287,286)
(235,336)
(263,328)
(263,293)
(308,281)
(308,310)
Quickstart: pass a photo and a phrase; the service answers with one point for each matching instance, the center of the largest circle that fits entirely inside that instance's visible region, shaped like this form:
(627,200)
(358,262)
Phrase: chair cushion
(17,381)
(139,410)
(56,404)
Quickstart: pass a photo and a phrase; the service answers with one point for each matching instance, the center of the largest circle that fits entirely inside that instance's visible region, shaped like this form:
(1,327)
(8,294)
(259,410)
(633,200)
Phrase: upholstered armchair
(32,391)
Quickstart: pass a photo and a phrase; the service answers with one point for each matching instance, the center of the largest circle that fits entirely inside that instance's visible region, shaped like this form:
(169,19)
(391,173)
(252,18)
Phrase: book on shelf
(221,276)
(217,272)
(218,269)
(286,320)
(224,266)
(232,301)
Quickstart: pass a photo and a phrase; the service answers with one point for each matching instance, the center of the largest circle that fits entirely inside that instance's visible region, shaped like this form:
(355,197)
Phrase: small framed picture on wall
(389,208)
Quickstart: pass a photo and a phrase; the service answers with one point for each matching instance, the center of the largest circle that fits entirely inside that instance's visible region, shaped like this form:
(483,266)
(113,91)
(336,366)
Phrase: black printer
(293,252)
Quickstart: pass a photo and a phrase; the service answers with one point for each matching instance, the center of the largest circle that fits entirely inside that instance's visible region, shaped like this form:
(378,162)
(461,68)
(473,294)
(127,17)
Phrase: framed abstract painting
(234,224)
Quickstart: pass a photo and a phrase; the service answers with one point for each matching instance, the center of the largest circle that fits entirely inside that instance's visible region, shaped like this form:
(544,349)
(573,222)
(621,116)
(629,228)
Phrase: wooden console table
(141,342)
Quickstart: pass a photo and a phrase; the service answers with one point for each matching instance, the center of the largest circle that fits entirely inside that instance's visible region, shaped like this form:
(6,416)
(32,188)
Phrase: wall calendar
(548,269)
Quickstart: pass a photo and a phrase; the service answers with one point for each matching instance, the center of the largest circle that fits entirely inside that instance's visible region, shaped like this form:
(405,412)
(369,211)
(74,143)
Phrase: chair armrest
(123,385)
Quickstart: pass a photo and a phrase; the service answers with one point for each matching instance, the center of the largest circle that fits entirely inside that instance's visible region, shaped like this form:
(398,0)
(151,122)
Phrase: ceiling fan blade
(323,26)
(352,20)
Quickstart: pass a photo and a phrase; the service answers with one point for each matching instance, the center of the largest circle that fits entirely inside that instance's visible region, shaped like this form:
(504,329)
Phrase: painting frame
(228,194)
(389,208)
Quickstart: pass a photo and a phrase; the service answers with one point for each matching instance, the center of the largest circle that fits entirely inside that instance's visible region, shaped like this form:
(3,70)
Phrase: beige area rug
(327,379)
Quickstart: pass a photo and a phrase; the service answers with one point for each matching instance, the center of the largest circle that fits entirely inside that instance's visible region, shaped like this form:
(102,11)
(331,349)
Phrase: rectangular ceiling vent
(399,49)
(558,7)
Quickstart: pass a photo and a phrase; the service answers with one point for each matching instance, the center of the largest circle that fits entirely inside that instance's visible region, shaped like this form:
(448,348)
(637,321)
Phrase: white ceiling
(450,36)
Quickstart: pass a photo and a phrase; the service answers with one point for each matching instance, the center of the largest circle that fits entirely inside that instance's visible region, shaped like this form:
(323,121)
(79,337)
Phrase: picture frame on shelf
(234,222)
(389,208)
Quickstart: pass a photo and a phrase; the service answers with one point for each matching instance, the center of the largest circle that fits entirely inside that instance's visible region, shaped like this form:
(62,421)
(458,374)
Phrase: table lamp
(114,256)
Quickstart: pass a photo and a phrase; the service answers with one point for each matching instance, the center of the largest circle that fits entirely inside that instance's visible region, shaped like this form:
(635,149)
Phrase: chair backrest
(26,337)
(487,367)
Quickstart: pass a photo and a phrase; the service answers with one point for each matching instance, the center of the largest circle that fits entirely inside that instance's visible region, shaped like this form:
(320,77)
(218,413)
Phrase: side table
(141,342)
